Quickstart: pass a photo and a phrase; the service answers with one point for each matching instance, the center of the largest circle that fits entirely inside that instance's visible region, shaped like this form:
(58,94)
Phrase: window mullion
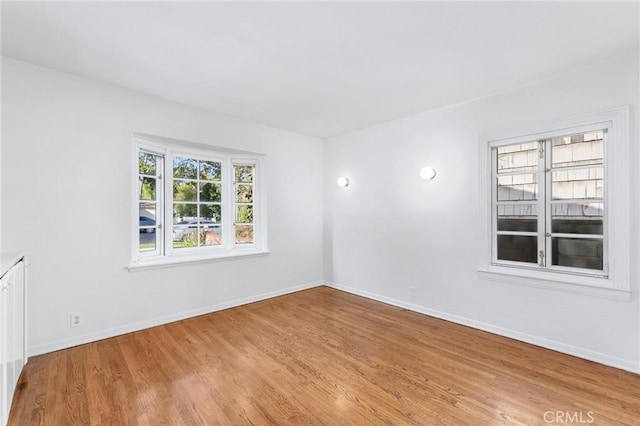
(254,204)
(494,205)
(199,225)
(168,208)
(542,250)
(547,176)
(160,214)
(227,203)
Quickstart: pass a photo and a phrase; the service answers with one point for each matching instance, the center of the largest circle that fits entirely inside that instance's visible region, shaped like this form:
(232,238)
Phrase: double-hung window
(555,204)
(195,204)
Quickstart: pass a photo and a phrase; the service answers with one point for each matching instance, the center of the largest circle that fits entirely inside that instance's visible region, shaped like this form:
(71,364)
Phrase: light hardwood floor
(319,356)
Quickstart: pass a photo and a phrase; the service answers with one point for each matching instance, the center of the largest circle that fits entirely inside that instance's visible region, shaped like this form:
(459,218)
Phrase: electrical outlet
(76,320)
(412,291)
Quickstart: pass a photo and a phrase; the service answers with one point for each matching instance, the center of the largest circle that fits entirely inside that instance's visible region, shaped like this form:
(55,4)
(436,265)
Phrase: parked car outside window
(147,221)
(187,226)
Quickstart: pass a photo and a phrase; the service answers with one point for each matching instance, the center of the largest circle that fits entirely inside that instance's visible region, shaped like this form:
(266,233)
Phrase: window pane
(184,191)
(578,253)
(210,170)
(186,168)
(244,193)
(149,192)
(147,188)
(147,217)
(580,218)
(184,236)
(244,214)
(577,150)
(147,163)
(210,213)
(210,236)
(518,248)
(518,217)
(518,187)
(210,191)
(182,212)
(243,173)
(147,227)
(147,241)
(244,234)
(582,184)
(518,157)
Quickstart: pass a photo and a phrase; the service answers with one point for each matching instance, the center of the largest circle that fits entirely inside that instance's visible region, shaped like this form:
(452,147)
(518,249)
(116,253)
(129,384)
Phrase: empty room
(332,213)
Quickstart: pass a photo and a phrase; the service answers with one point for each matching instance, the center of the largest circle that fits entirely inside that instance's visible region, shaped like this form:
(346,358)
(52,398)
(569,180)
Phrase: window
(244,204)
(549,205)
(552,194)
(195,204)
(149,205)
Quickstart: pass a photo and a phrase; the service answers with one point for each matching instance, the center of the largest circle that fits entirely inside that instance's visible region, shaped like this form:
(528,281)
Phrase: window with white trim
(195,204)
(555,202)
(549,203)
(244,202)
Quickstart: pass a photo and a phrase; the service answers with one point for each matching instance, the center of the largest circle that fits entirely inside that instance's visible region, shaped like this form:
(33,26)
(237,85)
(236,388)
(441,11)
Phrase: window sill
(577,284)
(176,260)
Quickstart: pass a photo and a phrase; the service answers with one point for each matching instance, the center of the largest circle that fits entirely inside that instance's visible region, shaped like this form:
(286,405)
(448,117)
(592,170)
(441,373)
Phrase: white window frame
(257,229)
(614,283)
(204,155)
(159,201)
(165,253)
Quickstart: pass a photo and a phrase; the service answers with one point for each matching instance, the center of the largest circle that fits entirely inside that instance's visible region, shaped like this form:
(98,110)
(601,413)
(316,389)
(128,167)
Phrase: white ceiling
(319,69)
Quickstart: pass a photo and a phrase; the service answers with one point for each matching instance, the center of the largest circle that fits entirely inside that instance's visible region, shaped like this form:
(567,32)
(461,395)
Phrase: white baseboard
(601,358)
(624,364)
(112,332)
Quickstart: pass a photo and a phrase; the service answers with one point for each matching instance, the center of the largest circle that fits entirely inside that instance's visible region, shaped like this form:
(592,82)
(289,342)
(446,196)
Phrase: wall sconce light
(427,173)
(342,182)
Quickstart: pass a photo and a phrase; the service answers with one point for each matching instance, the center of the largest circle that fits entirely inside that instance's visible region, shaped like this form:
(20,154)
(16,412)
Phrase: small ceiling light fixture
(427,173)
(342,182)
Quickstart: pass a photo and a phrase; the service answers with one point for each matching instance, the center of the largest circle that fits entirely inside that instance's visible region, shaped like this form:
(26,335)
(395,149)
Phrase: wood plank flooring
(319,356)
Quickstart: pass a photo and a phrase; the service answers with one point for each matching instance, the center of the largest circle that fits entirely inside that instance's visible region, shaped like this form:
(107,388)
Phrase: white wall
(390,231)
(386,233)
(66,201)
